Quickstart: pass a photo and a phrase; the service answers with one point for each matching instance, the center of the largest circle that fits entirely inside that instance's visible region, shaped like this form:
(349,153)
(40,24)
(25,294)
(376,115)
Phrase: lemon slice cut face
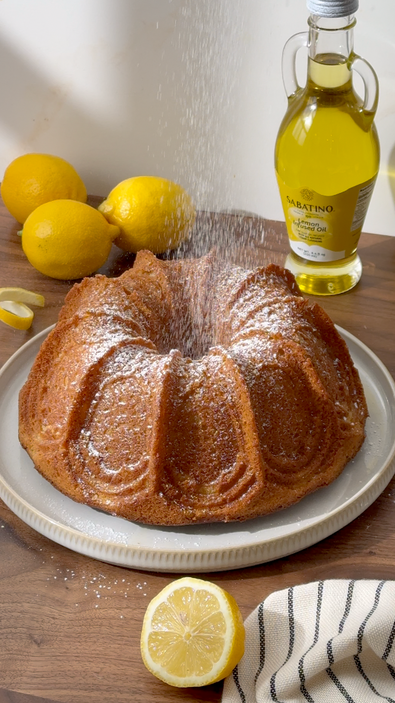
(13,310)
(193,633)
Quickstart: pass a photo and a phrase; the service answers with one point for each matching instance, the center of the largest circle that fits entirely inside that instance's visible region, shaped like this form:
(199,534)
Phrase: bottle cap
(332,8)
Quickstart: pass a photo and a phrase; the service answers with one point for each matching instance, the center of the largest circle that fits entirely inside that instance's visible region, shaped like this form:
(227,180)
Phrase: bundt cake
(191,391)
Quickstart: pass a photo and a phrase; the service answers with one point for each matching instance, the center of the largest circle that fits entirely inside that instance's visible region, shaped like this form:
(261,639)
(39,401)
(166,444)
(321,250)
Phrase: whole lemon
(152,213)
(34,179)
(66,239)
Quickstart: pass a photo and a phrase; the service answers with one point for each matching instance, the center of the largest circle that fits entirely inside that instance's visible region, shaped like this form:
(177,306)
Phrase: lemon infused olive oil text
(327,151)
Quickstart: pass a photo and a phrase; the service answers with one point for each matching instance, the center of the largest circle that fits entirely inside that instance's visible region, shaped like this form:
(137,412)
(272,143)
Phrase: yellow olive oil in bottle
(327,151)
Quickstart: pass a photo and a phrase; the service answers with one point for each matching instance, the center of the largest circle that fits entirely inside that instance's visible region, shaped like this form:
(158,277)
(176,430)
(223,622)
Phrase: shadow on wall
(42,110)
(147,88)
(32,105)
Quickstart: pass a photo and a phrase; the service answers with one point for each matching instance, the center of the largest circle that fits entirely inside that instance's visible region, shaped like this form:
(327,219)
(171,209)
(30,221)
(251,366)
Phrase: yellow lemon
(152,213)
(67,239)
(34,179)
(193,633)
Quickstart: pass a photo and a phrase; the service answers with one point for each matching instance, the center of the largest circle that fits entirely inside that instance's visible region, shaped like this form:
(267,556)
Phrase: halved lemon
(13,310)
(193,633)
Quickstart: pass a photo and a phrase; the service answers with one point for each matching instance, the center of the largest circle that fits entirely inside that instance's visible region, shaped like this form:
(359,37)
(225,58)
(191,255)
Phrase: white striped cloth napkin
(324,642)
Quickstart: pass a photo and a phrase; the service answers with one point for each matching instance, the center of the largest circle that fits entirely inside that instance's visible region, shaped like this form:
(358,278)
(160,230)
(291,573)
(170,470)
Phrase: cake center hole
(192,335)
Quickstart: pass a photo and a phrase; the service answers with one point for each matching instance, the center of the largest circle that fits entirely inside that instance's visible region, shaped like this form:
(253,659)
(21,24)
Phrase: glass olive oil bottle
(327,151)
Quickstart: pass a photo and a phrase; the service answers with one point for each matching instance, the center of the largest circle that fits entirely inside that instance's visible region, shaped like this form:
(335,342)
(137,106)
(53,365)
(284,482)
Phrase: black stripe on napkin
(237,684)
(389,643)
(391,670)
(340,686)
(302,677)
(346,613)
(347,609)
(331,674)
(291,618)
(360,646)
(261,641)
(387,651)
(368,681)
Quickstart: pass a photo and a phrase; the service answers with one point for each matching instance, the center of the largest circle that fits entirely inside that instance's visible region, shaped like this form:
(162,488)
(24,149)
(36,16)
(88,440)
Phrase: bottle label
(325,228)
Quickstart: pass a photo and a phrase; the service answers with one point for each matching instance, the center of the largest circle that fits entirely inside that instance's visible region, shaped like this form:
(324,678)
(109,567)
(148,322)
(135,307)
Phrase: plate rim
(203,559)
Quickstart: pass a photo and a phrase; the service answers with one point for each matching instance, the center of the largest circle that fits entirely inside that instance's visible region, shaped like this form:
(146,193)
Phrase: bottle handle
(370,82)
(291,48)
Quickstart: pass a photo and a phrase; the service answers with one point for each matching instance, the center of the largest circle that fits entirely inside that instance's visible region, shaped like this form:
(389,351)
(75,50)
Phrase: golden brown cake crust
(191,391)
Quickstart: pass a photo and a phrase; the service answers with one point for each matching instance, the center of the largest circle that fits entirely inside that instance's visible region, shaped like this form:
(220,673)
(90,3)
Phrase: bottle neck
(331,42)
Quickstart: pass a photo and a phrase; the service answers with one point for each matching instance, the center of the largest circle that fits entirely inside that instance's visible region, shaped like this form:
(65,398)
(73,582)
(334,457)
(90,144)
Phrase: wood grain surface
(70,625)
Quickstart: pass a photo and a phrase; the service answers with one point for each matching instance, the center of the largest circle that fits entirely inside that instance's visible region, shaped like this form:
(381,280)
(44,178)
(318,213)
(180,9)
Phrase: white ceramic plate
(199,548)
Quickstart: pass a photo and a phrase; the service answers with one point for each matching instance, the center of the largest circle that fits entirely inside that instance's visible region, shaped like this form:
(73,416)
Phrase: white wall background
(187,89)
